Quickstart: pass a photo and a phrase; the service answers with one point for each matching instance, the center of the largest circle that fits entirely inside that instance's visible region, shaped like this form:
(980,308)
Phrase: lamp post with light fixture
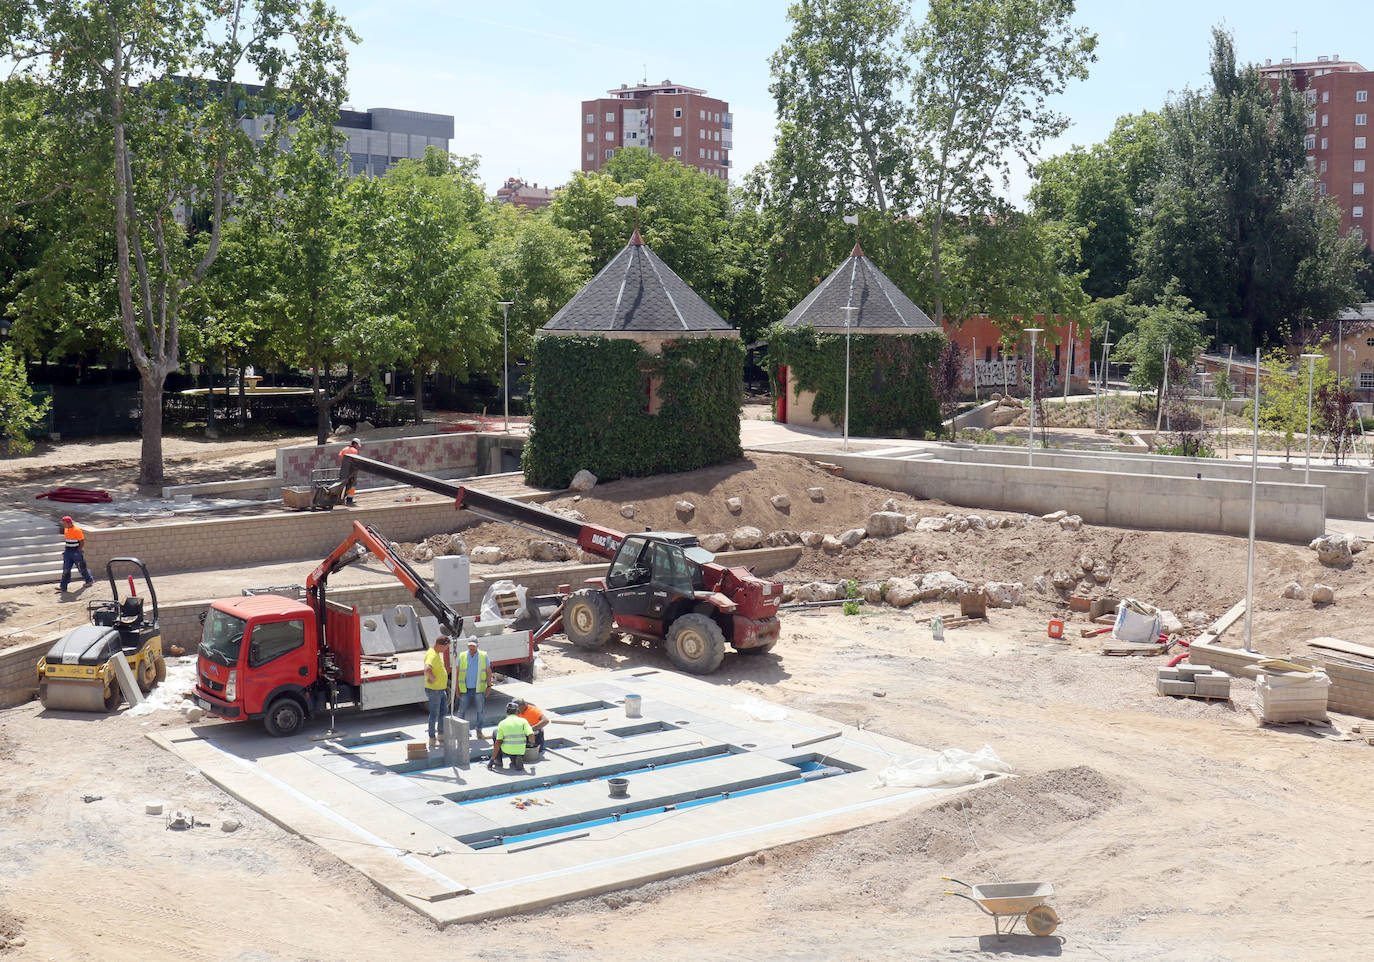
(1311,360)
(1030,447)
(848,317)
(505,358)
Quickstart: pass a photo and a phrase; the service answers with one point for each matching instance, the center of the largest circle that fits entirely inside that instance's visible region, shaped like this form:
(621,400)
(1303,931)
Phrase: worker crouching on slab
(73,543)
(436,687)
(538,722)
(511,740)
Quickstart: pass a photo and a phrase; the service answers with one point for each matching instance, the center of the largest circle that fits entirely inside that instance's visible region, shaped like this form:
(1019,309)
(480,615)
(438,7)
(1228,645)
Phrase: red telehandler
(660,584)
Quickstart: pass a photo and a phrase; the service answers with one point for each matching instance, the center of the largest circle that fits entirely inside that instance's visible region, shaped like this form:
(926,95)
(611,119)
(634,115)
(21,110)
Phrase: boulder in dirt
(1086,562)
(547,551)
(1055,515)
(884,524)
(812,539)
(831,544)
(1004,594)
(1323,594)
(816,494)
(932,524)
(1333,550)
(852,537)
(1357,544)
(890,505)
(873,592)
(1101,574)
(627,511)
(993,523)
(1040,585)
(789,592)
(583,481)
(1066,580)
(1072,523)
(780,501)
(685,510)
(450,545)
(818,591)
(715,542)
(422,553)
(781,539)
(960,523)
(940,584)
(1295,591)
(487,554)
(746,537)
(1168,622)
(900,592)
(976,523)
(734,505)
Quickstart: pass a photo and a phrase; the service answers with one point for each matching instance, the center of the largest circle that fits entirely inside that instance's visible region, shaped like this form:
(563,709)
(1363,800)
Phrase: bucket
(1056,627)
(620,787)
(633,705)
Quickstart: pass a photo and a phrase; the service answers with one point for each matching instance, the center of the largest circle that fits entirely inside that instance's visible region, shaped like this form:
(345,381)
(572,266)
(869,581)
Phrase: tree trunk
(419,374)
(150,472)
(210,430)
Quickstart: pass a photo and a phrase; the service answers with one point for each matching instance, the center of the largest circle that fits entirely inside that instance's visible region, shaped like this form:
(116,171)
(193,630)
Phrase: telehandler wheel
(147,674)
(161,668)
(587,618)
(696,644)
(285,716)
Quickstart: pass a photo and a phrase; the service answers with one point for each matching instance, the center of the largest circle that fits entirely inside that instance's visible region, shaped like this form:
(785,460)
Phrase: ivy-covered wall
(590,408)
(889,386)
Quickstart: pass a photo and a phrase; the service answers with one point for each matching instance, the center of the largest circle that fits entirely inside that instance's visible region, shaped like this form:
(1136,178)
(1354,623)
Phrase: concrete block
(1166,687)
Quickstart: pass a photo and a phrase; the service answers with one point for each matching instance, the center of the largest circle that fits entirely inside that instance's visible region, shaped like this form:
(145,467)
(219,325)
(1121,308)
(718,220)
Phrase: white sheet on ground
(953,766)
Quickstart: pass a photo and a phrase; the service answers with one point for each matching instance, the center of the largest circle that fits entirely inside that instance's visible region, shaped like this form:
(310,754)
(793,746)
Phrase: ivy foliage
(890,393)
(590,408)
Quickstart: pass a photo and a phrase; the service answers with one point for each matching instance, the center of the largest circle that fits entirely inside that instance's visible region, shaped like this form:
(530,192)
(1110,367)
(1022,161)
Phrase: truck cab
(258,659)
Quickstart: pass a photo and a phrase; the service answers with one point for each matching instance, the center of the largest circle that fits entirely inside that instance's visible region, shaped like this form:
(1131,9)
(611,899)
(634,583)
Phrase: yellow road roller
(78,672)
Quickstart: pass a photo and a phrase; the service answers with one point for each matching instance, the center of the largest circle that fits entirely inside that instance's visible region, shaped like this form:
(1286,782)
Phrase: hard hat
(512,707)
(355,442)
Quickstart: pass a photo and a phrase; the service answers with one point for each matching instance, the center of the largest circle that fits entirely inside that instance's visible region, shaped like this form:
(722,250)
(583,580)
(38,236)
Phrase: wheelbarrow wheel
(1042,920)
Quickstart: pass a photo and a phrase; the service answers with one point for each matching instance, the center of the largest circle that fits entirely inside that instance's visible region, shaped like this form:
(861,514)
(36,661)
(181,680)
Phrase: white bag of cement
(491,609)
(953,766)
(1137,622)
(760,710)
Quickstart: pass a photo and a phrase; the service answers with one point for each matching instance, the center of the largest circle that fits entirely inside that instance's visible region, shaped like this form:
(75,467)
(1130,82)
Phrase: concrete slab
(707,784)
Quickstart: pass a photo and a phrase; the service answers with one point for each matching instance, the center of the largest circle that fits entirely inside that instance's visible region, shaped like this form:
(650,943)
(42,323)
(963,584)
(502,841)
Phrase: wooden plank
(1349,647)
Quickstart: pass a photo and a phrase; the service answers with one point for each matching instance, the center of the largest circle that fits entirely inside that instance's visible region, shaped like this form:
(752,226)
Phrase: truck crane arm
(363,540)
(592,538)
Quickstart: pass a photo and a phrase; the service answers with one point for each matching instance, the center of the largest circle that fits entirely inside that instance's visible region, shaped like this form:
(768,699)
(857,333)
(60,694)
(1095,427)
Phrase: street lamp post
(1254,483)
(848,316)
(1030,448)
(1311,360)
(505,359)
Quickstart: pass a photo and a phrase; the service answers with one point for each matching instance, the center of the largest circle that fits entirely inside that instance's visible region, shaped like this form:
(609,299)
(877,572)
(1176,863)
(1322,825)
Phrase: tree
(984,72)
(18,410)
(840,83)
(539,267)
(1236,217)
(1337,413)
(1284,395)
(945,373)
(139,118)
(1169,321)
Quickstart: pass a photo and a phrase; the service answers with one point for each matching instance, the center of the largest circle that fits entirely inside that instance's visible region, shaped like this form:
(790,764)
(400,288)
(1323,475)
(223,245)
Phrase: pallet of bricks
(1194,681)
(1287,691)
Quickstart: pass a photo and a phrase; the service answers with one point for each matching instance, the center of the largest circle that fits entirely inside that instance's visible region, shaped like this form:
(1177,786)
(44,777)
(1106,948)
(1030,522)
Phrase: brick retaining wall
(426,453)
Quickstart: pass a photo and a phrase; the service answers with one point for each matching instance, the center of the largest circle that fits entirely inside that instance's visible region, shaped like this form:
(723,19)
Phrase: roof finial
(636,240)
(857,251)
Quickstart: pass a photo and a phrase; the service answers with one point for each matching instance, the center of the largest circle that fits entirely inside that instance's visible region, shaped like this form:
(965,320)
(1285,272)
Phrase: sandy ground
(1171,829)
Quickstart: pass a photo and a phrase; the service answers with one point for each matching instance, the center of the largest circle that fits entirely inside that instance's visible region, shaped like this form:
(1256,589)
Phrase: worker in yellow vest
(436,687)
(473,674)
(73,543)
(510,740)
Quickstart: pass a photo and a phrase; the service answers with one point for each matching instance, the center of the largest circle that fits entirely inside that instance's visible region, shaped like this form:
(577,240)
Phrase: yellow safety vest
(463,671)
(513,734)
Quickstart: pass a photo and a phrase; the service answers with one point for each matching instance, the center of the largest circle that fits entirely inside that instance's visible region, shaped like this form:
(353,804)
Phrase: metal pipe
(1250,558)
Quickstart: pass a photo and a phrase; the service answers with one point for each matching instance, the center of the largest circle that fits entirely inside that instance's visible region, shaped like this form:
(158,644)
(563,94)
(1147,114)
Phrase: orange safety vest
(74,537)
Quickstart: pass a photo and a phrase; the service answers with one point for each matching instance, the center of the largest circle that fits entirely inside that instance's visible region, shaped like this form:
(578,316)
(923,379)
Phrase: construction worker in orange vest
(74,539)
(352,447)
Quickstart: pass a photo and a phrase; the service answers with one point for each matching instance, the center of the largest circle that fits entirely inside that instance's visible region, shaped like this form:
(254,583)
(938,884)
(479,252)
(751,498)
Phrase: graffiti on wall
(1013,372)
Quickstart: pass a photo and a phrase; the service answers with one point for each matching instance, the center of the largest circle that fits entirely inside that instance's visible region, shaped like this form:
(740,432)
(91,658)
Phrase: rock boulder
(746,537)
(583,481)
(884,524)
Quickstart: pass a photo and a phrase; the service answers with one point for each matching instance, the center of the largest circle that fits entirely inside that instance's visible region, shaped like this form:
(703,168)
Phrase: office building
(1335,94)
(672,120)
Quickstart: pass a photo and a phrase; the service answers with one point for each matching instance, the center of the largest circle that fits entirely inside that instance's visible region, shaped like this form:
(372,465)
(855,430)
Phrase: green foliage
(1170,320)
(1284,394)
(590,407)
(890,391)
(853,597)
(1190,447)
(18,410)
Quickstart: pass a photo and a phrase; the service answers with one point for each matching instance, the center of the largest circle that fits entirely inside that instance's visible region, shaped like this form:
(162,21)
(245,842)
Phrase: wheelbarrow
(1013,900)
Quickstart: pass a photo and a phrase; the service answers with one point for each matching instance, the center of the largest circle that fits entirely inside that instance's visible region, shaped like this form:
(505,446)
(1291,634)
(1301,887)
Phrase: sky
(514,76)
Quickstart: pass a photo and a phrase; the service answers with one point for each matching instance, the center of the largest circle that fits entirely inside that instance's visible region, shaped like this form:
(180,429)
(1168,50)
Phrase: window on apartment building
(1311,118)
(1309,97)
(703,115)
(610,116)
(1357,211)
(701,153)
(1321,189)
(1322,167)
(1326,96)
(591,118)
(591,155)
(717,118)
(1357,188)
(1359,143)
(1326,120)
(1366,381)
(609,153)
(1359,166)
(677,112)
(677,131)
(1361,119)
(591,138)
(701,133)
(1309,142)
(717,135)
(677,151)
(1323,143)
(1361,96)
(610,135)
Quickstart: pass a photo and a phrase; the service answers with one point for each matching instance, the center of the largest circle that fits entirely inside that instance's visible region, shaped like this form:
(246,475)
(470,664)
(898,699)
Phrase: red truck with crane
(660,584)
(281,659)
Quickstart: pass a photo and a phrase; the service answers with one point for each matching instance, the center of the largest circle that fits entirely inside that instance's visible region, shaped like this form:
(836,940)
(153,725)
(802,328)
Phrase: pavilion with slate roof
(668,390)
(882,309)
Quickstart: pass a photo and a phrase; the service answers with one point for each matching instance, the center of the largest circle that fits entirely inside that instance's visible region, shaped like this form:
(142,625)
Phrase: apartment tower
(669,119)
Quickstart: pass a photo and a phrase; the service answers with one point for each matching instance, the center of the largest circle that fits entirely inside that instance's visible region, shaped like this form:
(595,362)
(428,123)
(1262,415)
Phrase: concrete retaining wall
(1283,512)
(1346,486)
(180,620)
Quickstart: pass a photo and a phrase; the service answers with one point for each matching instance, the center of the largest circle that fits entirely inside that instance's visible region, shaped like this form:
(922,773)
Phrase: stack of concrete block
(1196,680)
(1292,696)
(1352,686)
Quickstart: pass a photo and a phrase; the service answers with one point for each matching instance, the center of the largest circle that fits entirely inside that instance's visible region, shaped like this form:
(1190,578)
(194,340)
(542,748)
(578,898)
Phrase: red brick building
(672,120)
(531,196)
(1336,95)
